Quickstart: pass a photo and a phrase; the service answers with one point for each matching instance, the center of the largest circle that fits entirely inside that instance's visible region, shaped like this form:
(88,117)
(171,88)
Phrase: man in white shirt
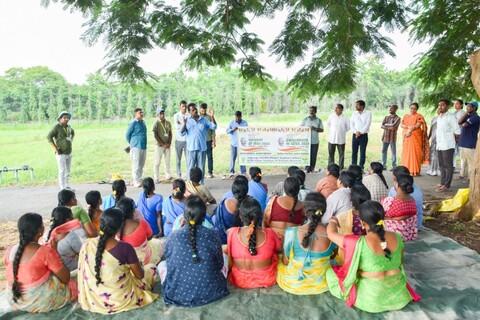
(447,128)
(360,125)
(338,125)
(180,141)
(459,113)
(316,126)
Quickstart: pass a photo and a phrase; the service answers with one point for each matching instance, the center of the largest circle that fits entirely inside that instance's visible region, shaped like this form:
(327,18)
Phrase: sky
(33,35)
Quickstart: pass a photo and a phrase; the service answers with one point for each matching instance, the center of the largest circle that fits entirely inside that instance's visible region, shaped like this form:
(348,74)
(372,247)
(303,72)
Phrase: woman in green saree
(372,277)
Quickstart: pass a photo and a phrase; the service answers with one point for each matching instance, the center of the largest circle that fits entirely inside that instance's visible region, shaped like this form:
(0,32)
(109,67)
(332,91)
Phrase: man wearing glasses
(137,139)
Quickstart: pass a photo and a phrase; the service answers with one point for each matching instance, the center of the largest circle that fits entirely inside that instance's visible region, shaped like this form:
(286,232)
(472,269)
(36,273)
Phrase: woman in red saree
(415,141)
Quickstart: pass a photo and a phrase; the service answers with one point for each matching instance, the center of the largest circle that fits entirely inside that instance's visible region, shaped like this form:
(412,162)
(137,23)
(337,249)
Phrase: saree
(304,276)
(44,295)
(401,217)
(370,294)
(63,229)
(171,210)
(149,254)
(119,291)
(223,220)
(258,191)
(415,147)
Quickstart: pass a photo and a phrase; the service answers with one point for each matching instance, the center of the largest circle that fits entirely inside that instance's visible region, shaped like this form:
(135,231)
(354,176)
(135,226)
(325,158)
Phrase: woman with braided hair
(93,199)
(119,189)
(174,205)
(38,279)
(252,250)
(194,261)
(137,233)
(285,211)
(110,274)
(307,252)
(226,215)
(372,278)
(256,188)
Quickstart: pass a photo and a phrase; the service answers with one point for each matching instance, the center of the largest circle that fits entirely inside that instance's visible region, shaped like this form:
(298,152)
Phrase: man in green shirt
(162,131)
(61,137)
(211,143)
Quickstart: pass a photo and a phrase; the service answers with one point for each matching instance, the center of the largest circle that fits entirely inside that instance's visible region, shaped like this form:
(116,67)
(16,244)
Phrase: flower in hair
(383,244)
(380,223)
(177,189)
(191,222)
(318,212)
(114,192)
(259,174)
(101,233)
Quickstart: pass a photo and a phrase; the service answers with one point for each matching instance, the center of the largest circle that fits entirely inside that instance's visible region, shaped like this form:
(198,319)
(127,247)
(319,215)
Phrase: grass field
(98,148)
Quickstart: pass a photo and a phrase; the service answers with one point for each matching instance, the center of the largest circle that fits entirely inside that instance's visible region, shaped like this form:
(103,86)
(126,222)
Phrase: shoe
(210,176)
(232,176)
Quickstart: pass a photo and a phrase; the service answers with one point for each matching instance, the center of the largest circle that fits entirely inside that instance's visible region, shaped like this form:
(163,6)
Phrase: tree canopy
(216,33)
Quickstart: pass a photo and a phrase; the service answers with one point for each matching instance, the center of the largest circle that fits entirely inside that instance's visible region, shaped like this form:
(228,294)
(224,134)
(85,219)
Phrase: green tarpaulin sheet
(444,273)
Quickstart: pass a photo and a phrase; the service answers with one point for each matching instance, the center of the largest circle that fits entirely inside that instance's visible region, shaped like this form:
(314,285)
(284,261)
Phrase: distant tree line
(39,94)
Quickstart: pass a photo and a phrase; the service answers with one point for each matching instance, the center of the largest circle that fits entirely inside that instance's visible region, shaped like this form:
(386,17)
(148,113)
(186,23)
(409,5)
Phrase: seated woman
(67,198)
(285,211)
(307,252)
(194,261)
(39,280)
(252,250)
(401,210)
(119,189)
(69,235)
(173,206)
(194,187)
(94,201)
(327,185)
(357,172)
(375,182)
(349,221)
(256,188)
(300,175)
(340,200)
(226,215)
(150,206)
(110,274)
(137,233)
(372,278)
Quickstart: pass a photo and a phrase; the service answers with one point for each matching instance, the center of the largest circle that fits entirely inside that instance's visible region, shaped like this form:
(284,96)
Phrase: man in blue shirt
(232,132)
(137,139)
(196,129)
(469,124)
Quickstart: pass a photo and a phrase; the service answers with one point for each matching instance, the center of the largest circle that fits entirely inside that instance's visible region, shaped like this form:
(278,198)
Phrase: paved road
(16,201)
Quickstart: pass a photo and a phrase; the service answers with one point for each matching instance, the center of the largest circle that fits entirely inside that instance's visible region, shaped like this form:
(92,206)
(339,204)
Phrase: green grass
(98,148)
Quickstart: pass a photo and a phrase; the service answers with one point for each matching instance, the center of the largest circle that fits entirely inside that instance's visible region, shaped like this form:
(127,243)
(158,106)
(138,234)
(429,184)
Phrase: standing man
(360,124)
(137,139)
(232,131)
(447,128)
(196,130)
(469,124)
(459,113)
(316,126)
(211,143)
(390,127)
(61,137)
(180,143)
(338,125)
(162,131)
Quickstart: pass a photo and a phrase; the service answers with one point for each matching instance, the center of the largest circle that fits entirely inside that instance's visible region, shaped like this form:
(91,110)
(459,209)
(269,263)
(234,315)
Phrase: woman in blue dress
(174,205)
(150,205)
(226,214)
(256,188)
(119,188)
(194,261)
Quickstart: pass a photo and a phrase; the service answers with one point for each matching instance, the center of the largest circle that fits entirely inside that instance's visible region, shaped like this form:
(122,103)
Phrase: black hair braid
(312,226)
(377,168)
(102,241)
(60,215)
(291,216)
(16,286)
(192,230)
(252,241)
(378,229)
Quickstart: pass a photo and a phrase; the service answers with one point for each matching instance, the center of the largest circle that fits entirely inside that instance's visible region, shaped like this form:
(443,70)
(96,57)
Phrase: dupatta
(63,229)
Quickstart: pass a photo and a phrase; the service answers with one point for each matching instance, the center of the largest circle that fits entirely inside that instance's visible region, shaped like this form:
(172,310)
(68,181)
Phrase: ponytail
(250,215)
(372,213)
(252,238)
(380,231)
(192,231)
(28,227)
(377,168)
(102,241)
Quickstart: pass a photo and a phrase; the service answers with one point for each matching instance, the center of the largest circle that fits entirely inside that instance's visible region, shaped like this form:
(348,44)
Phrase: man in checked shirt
(390,126)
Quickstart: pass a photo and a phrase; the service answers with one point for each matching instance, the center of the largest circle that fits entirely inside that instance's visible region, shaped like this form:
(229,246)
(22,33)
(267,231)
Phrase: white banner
(274,146)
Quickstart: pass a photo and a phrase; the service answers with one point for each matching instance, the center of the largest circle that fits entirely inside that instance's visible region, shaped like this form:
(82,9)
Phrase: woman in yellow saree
(109,272)
(415,141)
(305,262)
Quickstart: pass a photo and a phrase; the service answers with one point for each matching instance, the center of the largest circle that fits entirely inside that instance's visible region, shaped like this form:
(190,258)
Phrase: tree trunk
(473,208)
